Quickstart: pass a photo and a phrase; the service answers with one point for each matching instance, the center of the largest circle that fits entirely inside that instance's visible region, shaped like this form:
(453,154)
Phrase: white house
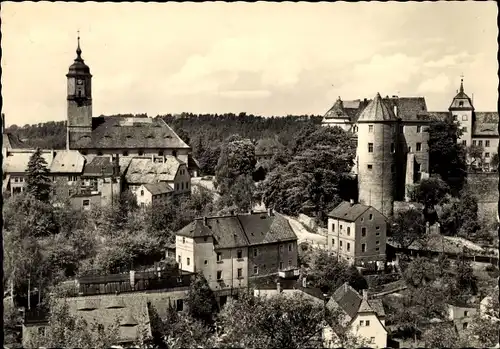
(146,194)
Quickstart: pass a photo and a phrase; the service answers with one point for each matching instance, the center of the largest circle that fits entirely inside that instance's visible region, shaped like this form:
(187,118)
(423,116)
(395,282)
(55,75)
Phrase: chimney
(365,295)
(304,282)
(278,287)
(205,221)
(132,279)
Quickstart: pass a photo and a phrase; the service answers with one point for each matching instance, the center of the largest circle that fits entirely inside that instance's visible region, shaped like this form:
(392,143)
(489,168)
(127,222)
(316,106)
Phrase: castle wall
(485,187)
(375,168)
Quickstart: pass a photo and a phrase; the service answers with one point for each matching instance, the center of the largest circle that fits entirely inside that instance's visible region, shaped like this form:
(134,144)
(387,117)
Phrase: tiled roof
(131,311)
(377,110)
(11,141)
(114,132)
(347,211)
(97,166)
(144,170)
(365,307)
(408,108)
(347,299)
(377,306)
(158,188)
(18,162)
(440,243)
(337,111)
(241,230)
(67,161)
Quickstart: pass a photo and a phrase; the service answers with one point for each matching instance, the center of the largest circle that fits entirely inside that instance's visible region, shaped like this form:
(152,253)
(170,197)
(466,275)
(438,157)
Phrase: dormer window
(461,104)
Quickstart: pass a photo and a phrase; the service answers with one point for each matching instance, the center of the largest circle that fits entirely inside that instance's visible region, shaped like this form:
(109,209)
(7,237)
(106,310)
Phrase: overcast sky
(261,58)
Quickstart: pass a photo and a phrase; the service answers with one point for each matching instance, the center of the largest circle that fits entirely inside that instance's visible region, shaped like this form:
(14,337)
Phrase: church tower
(377,138)
(462,110)
(79,101)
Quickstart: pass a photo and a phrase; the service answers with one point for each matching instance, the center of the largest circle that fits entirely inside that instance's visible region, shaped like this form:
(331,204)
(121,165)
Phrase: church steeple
(78,50)
(462,84)
(461,100)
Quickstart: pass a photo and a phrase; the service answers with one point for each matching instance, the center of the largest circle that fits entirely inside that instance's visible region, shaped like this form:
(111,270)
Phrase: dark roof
(408,108)
(337,111)
(241,230)
(116,132)
(98,166)
(347,299)
(158,188)
(11,141)
(286,284)
(377,110)
(485,124)
(347,211)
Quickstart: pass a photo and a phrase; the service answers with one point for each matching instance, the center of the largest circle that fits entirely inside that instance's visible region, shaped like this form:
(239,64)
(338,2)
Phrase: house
(168,169)
(230,250)
(85,201)
(357,233)
(147,193)
(461,314)
(289,287)
(362,316)
(125,297)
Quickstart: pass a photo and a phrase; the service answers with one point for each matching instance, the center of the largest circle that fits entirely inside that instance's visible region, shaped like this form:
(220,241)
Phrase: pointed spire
(78,49)
(462,85)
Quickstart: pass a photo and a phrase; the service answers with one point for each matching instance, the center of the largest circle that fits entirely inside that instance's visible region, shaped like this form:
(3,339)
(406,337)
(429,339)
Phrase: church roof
(116,132)
(377,110)
(461,100)
(79,67)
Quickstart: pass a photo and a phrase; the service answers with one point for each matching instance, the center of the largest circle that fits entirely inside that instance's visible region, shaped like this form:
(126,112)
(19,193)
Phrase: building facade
(230,250)
(357,233)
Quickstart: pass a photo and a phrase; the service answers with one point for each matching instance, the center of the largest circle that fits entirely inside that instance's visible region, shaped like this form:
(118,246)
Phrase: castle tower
(375,155)
(79,101)
(462,110)
(337,116)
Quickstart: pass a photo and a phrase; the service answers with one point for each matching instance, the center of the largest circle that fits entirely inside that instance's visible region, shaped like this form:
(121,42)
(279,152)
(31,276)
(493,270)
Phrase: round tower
(375,155)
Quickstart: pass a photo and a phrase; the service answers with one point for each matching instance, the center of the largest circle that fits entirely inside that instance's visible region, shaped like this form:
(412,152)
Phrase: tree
(407,227)
(494,161)
(466,281)
(430,191)
(440,337)
(183,135)
(460,217)
(447,158)
(180,330)
(38,182)
(68,331)
(274,322)
(475,152)
(419,272)
(201,300)
(233,174)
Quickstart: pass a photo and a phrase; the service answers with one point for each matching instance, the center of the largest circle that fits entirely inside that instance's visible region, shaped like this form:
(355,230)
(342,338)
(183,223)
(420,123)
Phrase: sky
(262,58)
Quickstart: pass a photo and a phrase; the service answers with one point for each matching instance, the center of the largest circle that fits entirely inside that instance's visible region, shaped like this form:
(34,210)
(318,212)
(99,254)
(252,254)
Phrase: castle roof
(376,110)
(116,132)
(337,111)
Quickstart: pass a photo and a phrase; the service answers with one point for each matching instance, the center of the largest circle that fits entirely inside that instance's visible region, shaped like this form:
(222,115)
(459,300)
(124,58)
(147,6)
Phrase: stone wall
(485,187)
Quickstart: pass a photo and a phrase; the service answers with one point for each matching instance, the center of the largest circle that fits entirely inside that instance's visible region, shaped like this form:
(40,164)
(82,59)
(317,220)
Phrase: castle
(392,151)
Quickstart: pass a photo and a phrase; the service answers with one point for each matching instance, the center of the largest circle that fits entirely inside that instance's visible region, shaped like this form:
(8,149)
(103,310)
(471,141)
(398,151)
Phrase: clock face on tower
(79,82)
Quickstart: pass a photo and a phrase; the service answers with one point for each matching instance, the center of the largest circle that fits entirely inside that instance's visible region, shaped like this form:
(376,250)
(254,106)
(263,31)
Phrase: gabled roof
(377,110)
(144,170)
(67,161)
(115,132)
(348,300)
(348,212)
(18,162)
(241,230)
(158,188)
(337,111)
(408,108)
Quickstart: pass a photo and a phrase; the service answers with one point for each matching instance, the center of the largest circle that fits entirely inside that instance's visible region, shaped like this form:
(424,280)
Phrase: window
(466,313)
(160,153)
(370,147)
(419,146)
(340,244)
(255,270)
(205,262)
(205,238)
(480,143)
(348,247)
(455,117)
(16,179)
(461,104)
(361,323)
(142,192)
(290,247)
(378,242)
(464,142)
(281,248)
(179,259)
(474,142)
(465,325)
(363,231)
(281,265)
(179,304)
(409,149)
(255,252)
(239,254)
(341,227)
(141,153)
(333,227)
(370,128)
(240,273)
(419,129)
(289,262)
(464,129)
(377,233)
(377,228)
(333,242)
(367,322)
(219,257)
(372,339)
(377,249)
(188,261)
(348,231)
(363,247)
(487,143)
(182,185)
(464,117)
(86,204)
(369,166)
(219,274)
(125,153)
(371,216)
(183,240)
(486,155)
(393,149)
